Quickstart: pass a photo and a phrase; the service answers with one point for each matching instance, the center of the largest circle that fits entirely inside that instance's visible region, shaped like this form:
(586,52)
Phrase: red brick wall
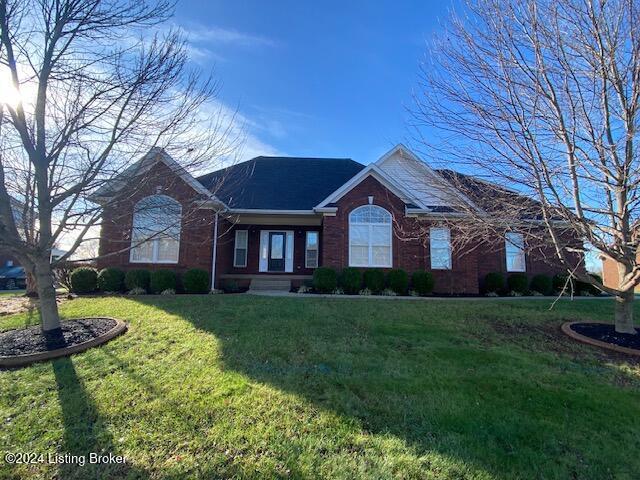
(197,224)
(469,267)
(408,253)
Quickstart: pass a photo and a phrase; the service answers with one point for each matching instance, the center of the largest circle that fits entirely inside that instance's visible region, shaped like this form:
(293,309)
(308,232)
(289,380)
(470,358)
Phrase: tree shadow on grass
(85,432)
(485,411)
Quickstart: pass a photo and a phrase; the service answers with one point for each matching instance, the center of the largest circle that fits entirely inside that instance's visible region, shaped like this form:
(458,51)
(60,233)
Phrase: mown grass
(249,387)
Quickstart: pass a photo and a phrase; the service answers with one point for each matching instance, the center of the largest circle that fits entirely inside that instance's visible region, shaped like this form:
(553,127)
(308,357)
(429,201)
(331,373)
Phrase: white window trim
(154,255)
(448,230)
(306,249)
(507,243)
(245,248)
(370,263)
(155,240)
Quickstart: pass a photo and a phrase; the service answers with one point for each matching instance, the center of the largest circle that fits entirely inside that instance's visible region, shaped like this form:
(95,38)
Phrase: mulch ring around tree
(27,345)
(603,335)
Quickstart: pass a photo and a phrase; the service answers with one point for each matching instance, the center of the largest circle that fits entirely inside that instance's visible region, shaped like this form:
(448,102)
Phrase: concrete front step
(270,285)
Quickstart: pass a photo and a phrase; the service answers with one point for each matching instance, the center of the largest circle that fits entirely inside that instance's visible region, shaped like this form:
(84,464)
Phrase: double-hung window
(440,248)
(155,236)
(240,250)
(311,250)
(514,248)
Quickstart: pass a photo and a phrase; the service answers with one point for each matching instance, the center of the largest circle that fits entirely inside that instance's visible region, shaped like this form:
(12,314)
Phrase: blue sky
(325,79)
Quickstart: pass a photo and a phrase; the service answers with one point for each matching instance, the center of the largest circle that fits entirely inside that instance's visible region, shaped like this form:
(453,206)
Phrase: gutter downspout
(215,253)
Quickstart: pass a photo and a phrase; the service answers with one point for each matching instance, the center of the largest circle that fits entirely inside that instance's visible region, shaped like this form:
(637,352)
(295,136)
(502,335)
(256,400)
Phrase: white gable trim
(408,154)
(374,171)
(155,154)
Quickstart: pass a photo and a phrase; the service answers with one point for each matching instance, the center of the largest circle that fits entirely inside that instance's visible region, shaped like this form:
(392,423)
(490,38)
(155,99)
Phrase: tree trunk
(32,285)
(624,303)
(624,313)
(49,318)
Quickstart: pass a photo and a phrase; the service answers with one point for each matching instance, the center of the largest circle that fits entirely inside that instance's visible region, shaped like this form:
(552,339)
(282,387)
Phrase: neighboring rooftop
(280,183)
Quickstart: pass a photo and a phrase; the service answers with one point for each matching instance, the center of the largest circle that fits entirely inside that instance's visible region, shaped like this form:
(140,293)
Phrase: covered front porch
(268,251)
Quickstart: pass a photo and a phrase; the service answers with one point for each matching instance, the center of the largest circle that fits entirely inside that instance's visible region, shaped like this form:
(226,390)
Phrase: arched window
(370,237)
(155,236)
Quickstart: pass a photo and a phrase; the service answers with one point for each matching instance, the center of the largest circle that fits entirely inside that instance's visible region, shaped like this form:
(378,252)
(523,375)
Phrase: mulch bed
(31,340)
(606,333)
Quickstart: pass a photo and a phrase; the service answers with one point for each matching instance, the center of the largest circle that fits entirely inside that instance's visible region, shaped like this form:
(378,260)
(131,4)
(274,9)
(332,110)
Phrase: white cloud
(212,34)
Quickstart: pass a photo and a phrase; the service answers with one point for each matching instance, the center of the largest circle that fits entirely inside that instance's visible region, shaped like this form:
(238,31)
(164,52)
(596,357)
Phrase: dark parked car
(12,278)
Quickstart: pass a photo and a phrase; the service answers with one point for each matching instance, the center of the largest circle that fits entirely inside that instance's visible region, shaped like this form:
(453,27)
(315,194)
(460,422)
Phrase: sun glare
(10,95)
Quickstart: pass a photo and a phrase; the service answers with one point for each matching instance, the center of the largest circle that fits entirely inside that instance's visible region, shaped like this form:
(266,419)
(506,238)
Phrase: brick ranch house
(273,220)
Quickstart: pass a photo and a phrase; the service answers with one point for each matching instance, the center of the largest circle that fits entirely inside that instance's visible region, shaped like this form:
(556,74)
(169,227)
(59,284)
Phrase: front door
(277,242)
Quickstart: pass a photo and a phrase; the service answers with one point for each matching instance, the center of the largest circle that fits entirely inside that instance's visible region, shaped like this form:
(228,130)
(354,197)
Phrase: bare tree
(541,98)
(92,91)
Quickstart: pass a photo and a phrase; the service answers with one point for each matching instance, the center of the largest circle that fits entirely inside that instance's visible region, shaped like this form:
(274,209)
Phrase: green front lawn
(240,386)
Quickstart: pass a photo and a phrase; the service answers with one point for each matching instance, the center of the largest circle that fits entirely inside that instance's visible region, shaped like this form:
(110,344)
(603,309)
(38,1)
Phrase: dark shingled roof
(280,183)
(493,198)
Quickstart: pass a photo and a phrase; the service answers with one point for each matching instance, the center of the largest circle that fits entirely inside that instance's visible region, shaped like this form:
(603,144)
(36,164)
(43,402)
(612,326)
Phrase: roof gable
(143,166)
(402,172)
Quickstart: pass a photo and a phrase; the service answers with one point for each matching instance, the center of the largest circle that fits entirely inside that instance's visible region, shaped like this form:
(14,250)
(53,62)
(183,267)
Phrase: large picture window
(155,236)
(440,248)
(514,248)
(370,237)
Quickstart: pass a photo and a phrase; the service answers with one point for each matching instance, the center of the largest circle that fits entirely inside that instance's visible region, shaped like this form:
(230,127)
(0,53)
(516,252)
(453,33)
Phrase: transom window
(514,248)
(440,248)
(155,236)
(370,237)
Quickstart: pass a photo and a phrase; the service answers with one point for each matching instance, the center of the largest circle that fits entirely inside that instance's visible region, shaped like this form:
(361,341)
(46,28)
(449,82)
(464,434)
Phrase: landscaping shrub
(162,280)
(493,282)
(84,280)
(595,290)
(518,282)
(374,280)
(398,281)
(559,280)
(351,280)
(423,283)
(325,280)
(196,281)
(110,280)
(230,286)
(136,279)
(542,284)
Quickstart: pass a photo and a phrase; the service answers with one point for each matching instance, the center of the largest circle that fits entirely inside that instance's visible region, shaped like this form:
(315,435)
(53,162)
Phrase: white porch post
(215,252)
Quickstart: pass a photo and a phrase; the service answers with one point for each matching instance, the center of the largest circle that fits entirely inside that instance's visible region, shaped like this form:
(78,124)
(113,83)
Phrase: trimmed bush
(351,280)
(542,284)
(558,282)
(162,280)
(325,280)
(137,279)
(230,286)
(595,290)
(493,282)
(111,280)
(196,281)
(423,283)
(84,280)
(374,280)
(518,282)
(398,281)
